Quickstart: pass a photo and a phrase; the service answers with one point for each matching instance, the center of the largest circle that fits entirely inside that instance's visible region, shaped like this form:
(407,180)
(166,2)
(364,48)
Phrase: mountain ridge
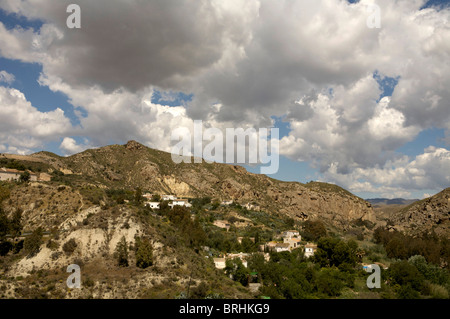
(135,165)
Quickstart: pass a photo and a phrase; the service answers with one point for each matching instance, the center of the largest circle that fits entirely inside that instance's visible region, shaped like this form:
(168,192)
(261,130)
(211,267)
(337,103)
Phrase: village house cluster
(291,240)
(173,201)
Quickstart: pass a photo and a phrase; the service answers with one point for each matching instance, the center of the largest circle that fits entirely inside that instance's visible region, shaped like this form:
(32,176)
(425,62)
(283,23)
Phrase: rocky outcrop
(425,216)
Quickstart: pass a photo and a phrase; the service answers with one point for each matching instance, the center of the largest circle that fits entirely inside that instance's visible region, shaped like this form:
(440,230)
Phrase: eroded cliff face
(425,216)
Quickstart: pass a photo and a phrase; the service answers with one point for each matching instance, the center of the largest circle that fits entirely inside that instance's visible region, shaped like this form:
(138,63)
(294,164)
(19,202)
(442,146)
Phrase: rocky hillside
(424,216)
(134,165)
(91,203)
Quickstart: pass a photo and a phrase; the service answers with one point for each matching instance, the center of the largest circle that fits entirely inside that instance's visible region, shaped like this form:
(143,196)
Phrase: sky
(361,105)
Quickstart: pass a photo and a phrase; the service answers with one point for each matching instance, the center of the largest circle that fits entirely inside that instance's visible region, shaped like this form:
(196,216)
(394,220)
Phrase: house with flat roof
(290,234)
(279,247)
(219,263)
(222,224)
(168,197)
(153,205)
(180,202)
(310,249)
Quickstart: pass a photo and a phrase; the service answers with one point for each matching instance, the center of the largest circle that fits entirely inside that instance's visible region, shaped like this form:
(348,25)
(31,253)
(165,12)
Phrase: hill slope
(134,165)
(424,216)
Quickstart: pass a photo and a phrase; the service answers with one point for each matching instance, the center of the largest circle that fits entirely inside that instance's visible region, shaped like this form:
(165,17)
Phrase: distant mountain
(394,201)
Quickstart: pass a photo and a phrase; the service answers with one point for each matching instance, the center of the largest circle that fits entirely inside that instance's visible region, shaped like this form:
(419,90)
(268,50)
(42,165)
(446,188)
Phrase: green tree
(144,253)
(156,198)
(4,193)
(248,245)
(403,273)
(396,248)
(70,246)
(336,252)
(25,176)
(121,252)
(5,245)
(328,282)
(138,198)
(4,225)
(15,225)
(313,230)
(235,269)
(32,243)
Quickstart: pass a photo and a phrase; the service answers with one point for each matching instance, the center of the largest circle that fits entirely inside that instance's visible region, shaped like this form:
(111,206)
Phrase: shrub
(121,253)
(313,230)
(32,243)
(70,246)
(52,245)
(438,292)
(144,253)
(408,277)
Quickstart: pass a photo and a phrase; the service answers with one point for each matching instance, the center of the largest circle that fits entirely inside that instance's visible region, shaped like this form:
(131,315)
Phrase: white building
(7,174)
(180,202)
(242,256)
(279,247)
(147,196)
(153,205)
(293,242)
(219,263)
(290,234)
(310,249)
(168,197)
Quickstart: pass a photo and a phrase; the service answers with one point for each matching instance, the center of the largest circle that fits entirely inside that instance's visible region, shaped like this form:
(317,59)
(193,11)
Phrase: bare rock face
(133,146)
(425,216)
(338,209)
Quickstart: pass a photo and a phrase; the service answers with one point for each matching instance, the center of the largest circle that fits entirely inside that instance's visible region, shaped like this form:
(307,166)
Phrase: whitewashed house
(180,202)
(153,205)
(310,250)
(242,256)
(219,263)
(168,197)
(7,174)
(147,196)
(279,247)
(293,242)
(290,234)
